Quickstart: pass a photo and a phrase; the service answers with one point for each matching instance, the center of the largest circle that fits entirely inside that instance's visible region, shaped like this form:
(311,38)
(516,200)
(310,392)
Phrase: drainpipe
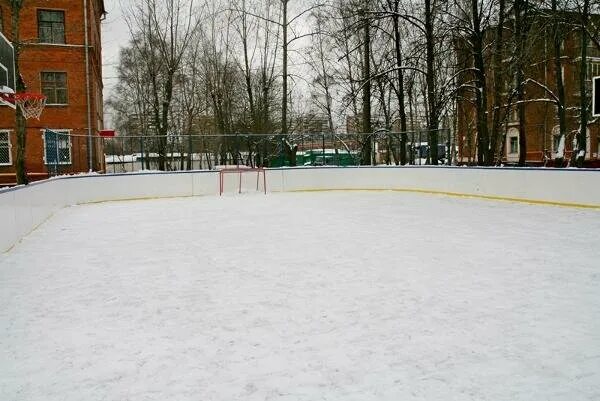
(87,86)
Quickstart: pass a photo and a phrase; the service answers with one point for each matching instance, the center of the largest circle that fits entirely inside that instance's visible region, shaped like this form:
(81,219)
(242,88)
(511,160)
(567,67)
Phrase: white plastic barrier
(557,186)
(22,209)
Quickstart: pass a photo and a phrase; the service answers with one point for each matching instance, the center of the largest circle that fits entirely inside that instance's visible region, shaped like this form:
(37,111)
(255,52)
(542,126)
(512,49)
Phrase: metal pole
(142,151)
(323,145)
(56,148)
(372,149)
(420,147)
(87,85)
(237,150)
(220,183)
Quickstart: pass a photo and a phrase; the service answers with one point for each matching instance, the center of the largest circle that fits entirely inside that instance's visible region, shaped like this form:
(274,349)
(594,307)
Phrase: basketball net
(31,104)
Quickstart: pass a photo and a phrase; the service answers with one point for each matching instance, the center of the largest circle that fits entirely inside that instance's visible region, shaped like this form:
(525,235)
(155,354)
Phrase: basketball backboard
(7,69)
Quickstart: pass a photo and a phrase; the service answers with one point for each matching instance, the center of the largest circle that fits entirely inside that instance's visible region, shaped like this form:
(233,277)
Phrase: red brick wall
(541,117)
(69,58)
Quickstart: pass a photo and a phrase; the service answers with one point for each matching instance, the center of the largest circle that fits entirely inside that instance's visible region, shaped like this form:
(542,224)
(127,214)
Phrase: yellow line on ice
(462,195)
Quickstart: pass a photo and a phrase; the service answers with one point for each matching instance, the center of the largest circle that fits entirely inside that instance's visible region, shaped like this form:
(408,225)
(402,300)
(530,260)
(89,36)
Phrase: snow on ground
(320,296)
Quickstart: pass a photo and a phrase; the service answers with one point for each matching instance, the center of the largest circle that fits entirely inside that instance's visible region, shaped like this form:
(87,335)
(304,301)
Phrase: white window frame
(512,133)
(514,114)
(10,161)
(60,131)
(593,69)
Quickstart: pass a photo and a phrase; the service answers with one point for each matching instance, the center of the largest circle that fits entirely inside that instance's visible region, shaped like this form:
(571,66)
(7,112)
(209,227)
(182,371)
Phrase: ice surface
(320,296)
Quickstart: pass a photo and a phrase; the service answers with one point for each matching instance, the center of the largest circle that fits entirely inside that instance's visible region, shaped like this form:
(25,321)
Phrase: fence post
(281,151)
(56,151)
(142,151)
(420,147)
(237,150)
(323,146)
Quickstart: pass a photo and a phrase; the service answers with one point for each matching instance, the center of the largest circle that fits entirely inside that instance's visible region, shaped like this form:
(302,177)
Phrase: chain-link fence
(5,149)
(193,152)
(64,152)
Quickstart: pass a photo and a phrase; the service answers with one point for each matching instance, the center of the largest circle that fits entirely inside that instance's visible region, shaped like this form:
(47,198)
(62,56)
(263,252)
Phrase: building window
(5,154)
(593,70)
(513,145)
(57,147)
(51,26)
(514,114)
(54,87)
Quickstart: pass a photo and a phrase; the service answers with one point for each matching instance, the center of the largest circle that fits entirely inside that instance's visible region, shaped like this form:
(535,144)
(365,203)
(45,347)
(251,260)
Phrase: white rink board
(25,208)
(560,186)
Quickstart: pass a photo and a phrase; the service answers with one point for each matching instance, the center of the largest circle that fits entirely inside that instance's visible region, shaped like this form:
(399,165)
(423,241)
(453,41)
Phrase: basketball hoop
(31,104)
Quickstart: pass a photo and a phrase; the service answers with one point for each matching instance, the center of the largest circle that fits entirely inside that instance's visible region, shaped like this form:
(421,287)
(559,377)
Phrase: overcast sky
(115,34)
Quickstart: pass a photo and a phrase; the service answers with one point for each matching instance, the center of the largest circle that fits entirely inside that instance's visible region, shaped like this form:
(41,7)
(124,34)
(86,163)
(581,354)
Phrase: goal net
(242,180)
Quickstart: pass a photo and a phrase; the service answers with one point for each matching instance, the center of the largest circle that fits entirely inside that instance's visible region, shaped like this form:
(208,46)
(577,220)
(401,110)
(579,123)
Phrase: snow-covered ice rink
(309,296)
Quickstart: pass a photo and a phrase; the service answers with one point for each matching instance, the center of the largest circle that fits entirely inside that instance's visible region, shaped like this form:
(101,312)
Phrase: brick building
(541,119)
(55,61)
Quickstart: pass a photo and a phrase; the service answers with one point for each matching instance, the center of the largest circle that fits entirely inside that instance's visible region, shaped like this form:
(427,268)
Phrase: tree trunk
(562,116)
(164,121)
(366,150)
(247,70)
(326,83)
(190,159)
(498,81)
(20,121)
(288,148)
(400,92)
(481,91)
(520,35)
(430,79)
(582,134)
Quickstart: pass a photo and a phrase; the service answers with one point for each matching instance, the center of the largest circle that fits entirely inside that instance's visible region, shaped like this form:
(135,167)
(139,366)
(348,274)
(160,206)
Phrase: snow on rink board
(309,296)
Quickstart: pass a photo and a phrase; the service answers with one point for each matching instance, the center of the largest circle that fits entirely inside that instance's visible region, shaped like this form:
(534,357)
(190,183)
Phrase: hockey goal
(242,179)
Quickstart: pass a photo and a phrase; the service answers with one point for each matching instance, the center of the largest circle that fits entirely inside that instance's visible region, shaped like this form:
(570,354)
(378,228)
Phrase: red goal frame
(241,171)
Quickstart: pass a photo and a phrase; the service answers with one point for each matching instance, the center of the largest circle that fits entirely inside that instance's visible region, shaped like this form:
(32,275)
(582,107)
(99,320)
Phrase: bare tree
(366,151)
(259,48)
(499,79)
(191,99)
(394,7)
(521,28)
(166,29)
(472,22)
(221,75)
(285,23)
(558,35)
(319,62)
(583,7)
